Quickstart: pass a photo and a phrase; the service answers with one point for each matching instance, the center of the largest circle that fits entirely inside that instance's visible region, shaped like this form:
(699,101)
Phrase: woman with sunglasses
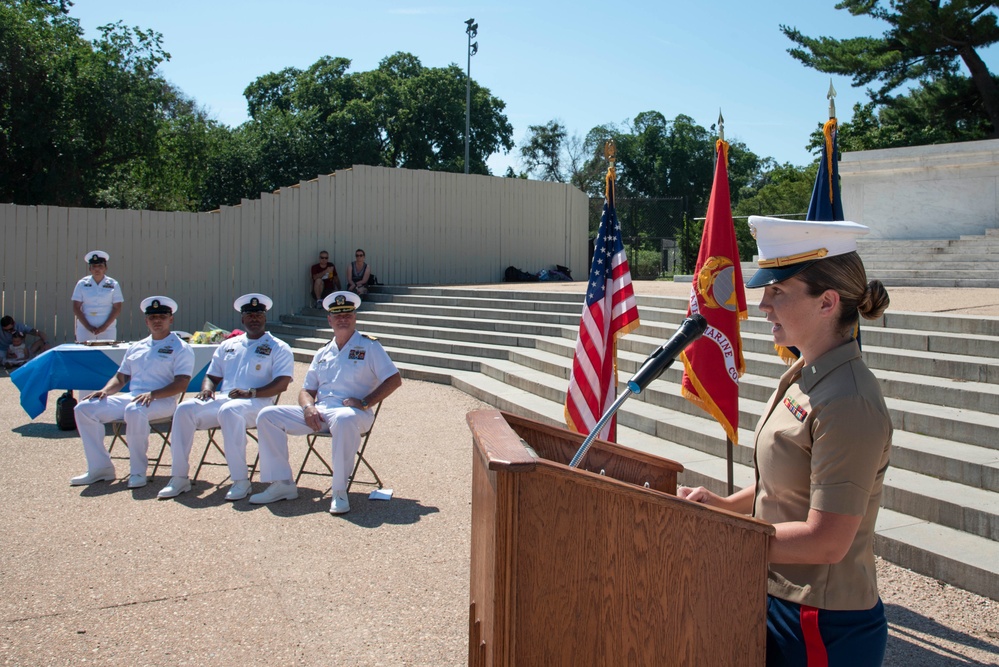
(360,274)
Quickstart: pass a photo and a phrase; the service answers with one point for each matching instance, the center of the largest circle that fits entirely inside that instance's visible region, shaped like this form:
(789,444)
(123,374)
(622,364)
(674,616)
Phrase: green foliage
(541,152)
(74,114)
(945,110)
(925,40)
(93,124)
(401,114)
(781,190)
(645,264)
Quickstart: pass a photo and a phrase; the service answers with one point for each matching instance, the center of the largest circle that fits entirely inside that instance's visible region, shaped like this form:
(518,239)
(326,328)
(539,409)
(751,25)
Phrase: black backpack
(515,275)
(65,419)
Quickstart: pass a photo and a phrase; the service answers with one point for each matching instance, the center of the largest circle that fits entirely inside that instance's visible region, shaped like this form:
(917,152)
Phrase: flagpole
(731,473)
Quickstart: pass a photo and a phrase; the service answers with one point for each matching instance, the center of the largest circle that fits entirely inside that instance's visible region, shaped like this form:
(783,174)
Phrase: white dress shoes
(136,481)
(240,489)
(177,486)
(340,504)
(99,475)
(282,490)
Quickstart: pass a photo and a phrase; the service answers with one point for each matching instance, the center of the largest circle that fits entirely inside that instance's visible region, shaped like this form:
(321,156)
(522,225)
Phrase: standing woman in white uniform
(97,301)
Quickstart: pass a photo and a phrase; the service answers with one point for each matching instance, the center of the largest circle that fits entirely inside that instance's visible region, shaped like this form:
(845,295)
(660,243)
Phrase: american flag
(610,311)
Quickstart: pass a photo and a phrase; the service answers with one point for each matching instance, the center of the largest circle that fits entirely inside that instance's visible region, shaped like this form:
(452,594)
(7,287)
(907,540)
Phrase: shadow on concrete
(363,513)
(915,641)
(47,431)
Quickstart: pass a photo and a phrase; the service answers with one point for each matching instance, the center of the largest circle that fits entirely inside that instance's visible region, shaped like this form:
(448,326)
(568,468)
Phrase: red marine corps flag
(610,311)
(713,363)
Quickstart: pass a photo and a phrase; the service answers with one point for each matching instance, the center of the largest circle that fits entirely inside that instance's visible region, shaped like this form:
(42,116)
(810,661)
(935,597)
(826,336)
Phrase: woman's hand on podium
(740,501)
(696,494)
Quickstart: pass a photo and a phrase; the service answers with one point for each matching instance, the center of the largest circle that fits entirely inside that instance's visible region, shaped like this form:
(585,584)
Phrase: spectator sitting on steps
(325,281)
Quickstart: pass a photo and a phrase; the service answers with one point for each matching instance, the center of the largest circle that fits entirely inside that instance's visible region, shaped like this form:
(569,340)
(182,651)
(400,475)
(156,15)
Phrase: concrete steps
(968,261)
(940,377)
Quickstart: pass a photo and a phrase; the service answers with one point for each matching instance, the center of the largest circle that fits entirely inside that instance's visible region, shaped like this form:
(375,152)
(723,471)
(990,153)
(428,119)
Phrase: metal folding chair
(160,427)
(311,439)
(250,434)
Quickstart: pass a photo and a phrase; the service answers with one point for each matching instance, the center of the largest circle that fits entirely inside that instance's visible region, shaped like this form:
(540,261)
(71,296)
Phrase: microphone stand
(625,395)
(657,363)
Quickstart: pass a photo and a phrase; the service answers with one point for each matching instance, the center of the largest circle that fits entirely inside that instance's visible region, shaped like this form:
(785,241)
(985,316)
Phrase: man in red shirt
(324,278)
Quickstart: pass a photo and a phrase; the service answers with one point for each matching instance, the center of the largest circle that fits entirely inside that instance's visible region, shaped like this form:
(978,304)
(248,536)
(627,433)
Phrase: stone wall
(923,192)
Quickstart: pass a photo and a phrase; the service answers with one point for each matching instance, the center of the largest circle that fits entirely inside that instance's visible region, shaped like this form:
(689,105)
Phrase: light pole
(471,29)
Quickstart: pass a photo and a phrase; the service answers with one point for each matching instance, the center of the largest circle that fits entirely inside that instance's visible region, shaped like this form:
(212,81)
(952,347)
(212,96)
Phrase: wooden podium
(602,564)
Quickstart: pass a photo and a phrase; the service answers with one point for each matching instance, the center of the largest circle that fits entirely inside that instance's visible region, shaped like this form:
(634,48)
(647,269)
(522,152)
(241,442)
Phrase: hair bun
(875,300)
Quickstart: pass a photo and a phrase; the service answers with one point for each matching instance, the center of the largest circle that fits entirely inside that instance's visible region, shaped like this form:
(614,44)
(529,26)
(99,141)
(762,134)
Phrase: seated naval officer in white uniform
(97,300)
(159,368)
(347,376)
(253,369)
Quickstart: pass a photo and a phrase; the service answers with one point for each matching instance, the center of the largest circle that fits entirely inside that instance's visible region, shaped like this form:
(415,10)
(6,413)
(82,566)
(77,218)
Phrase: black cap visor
(764,277)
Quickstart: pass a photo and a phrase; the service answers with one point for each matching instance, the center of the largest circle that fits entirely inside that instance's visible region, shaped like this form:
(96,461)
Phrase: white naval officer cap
(96,257)
(787,247)
(342,302)
(158,305)
(253,303)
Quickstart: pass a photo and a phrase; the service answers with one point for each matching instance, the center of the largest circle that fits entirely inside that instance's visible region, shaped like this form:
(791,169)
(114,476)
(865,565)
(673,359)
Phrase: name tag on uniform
(166,349)
(356,353)
(795,409)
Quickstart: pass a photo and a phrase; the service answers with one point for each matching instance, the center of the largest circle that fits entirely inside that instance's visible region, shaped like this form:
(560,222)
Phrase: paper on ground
(381,494)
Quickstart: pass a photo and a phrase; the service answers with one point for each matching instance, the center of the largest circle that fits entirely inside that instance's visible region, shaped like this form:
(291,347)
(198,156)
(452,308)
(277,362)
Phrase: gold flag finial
(831,95)
(610,151)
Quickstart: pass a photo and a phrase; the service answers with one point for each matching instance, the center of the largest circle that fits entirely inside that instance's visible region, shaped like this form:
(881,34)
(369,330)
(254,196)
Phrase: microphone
(689,331)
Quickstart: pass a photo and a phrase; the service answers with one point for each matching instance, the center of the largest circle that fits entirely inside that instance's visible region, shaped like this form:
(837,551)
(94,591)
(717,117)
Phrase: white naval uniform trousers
(276,423)
(232,415)
(91,416)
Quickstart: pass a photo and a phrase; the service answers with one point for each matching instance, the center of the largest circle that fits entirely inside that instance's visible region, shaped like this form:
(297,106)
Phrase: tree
(926,39)
(777,190)
(72,112)
(400,114)
(552,154)
(945,110)
(541,151)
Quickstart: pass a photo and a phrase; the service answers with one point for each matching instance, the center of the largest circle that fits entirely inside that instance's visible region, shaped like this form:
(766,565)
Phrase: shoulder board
(368,336)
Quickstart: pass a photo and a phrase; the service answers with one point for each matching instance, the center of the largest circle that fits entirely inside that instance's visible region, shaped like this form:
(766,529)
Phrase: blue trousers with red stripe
(802,636)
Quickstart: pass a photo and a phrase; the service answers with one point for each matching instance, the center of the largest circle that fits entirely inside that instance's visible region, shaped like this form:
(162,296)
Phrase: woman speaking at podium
(822,448)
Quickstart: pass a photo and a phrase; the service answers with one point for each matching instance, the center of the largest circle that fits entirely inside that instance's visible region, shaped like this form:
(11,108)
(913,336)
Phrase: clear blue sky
(584,62)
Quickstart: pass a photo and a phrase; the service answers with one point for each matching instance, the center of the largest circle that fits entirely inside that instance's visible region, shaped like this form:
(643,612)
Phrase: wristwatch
(253,393)
(364,404)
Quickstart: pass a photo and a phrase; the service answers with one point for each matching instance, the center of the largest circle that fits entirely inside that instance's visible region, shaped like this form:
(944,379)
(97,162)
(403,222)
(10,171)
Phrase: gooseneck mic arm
(689,331)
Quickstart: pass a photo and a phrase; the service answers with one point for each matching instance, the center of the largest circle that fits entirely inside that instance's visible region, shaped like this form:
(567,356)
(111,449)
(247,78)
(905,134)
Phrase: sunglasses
(360,254)
(324,257)
(8,330)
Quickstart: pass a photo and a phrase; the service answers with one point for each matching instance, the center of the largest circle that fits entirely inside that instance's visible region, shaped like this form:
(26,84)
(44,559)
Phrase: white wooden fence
(417,228)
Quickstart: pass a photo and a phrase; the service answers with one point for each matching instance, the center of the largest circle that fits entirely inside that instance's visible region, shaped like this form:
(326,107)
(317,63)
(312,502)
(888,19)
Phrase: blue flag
(826,203)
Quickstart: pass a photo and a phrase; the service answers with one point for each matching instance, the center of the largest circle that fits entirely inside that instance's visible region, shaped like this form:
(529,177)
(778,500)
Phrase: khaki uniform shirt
(823,443)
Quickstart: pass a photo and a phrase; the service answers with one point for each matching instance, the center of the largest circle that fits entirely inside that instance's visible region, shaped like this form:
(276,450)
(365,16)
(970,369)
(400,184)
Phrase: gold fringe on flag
(827,130)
